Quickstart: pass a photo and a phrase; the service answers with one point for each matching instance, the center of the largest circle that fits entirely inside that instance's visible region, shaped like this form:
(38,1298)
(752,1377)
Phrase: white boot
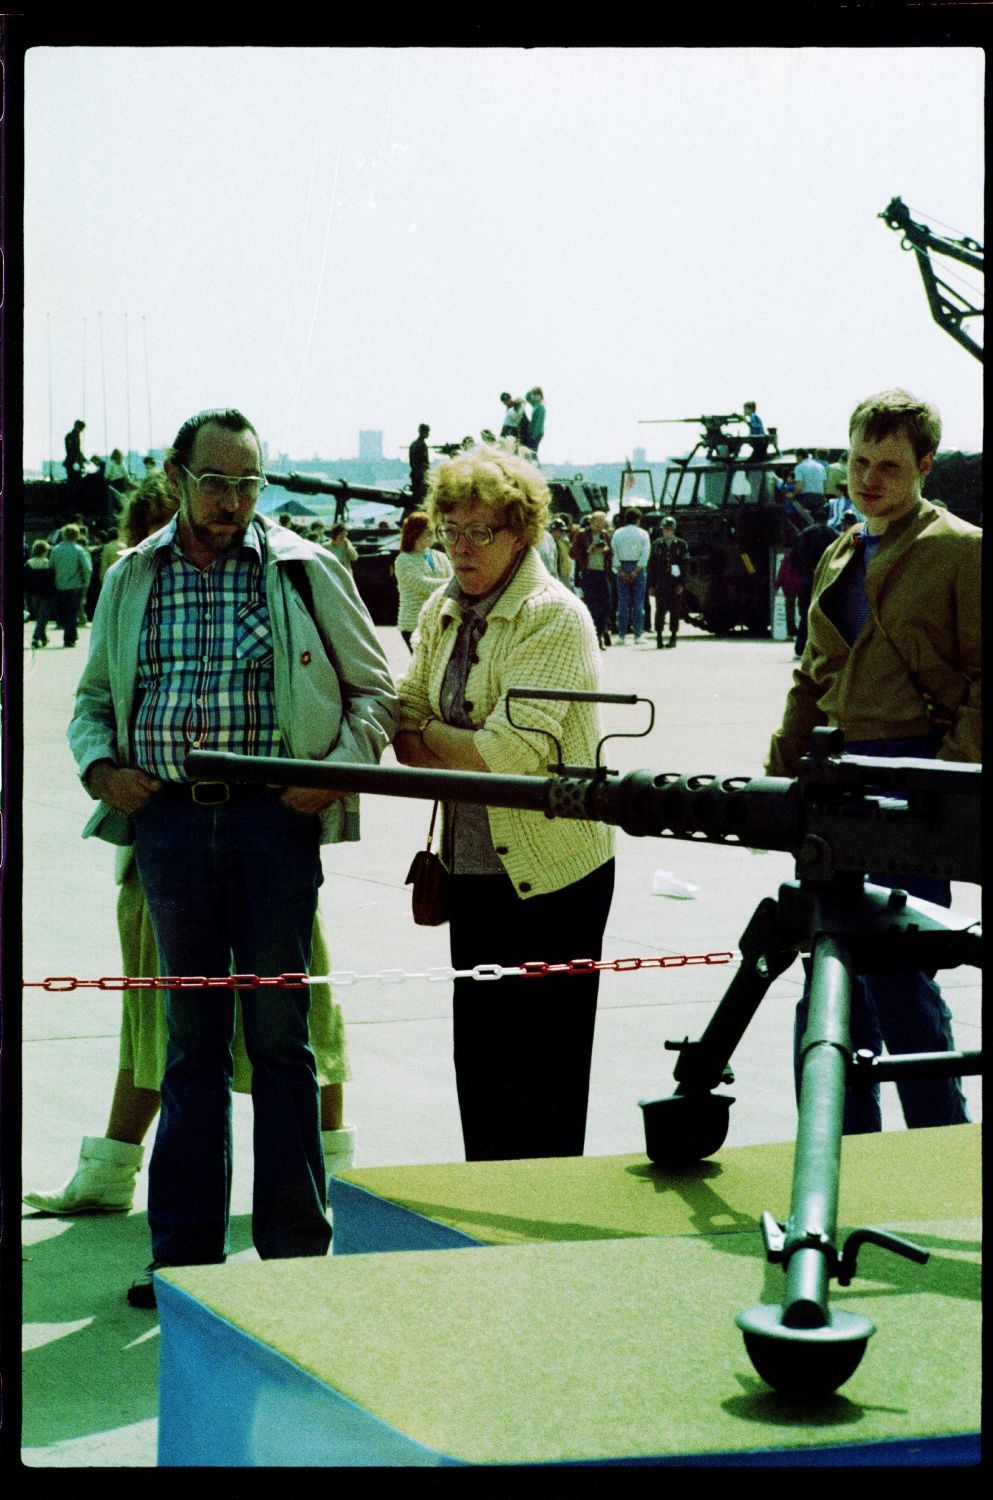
(103,1182)
(339,1149)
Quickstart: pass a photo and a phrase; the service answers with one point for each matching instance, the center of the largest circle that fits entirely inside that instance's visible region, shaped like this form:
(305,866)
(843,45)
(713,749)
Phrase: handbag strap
(434,814)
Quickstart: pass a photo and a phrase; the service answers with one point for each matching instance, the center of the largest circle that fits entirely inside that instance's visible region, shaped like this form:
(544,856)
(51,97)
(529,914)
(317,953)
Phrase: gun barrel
(851,815)
(527,792)
(310,484)
(640,802)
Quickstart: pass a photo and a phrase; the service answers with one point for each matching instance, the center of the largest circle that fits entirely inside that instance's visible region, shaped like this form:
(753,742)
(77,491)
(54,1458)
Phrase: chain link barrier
(343,978)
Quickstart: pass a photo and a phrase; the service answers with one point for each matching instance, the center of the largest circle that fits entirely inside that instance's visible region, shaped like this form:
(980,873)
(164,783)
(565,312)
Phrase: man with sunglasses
(225,632)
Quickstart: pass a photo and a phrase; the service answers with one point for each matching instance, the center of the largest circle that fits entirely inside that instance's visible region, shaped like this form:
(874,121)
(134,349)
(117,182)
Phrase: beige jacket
(924,588)
(538,635)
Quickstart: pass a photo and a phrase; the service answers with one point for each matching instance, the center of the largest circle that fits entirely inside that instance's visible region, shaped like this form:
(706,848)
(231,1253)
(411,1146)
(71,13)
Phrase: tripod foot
(804,1361)
(685,1127)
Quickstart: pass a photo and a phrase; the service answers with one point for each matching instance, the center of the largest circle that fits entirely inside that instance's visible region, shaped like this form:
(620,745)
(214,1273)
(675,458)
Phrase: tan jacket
(924,587)
(538,635)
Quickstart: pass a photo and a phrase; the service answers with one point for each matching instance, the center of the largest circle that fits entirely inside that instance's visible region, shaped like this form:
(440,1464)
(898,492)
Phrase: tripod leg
(693,1122)
(826,1049)
(803,1345)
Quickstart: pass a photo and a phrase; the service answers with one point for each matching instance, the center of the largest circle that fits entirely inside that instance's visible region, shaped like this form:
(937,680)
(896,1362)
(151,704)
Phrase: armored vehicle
(576,498)
(733,507)
(729,509)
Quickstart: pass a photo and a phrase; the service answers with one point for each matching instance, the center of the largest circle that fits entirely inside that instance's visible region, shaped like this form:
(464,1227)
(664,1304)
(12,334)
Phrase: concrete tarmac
(90,1364)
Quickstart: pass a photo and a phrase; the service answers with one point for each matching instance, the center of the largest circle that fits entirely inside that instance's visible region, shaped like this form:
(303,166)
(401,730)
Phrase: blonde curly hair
(506,488)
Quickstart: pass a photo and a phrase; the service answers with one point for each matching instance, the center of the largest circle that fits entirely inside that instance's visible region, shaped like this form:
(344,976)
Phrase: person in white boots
(105,1176)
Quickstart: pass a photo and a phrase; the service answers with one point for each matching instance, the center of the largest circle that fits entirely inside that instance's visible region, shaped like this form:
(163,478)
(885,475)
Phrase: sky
(336,239)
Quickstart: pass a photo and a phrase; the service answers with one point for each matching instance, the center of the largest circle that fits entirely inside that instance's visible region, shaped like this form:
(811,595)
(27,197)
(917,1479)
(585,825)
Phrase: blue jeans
(233,889)
(904,1012)
(631,589)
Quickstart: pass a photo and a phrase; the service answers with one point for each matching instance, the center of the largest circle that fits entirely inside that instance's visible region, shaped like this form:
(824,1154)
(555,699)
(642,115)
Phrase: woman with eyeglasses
(419,569)
(521,886)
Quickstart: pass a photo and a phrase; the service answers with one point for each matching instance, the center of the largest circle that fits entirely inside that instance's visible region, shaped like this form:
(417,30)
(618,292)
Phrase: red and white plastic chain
(535,969)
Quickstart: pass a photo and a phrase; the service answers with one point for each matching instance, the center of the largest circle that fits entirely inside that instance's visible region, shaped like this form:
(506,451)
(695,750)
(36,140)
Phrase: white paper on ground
(664,883)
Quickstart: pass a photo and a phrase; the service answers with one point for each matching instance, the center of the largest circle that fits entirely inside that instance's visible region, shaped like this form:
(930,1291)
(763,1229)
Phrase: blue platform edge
(226,1400)
(364,1223)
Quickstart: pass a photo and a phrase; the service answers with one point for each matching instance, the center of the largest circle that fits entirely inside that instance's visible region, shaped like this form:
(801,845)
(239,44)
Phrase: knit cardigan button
(525,885)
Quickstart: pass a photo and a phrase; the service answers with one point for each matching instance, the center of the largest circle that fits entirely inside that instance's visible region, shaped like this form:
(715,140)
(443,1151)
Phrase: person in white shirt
(811,476)
(632,547)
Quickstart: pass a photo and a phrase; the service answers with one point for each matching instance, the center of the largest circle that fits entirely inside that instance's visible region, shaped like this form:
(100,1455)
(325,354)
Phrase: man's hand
(309,799)
(123,787)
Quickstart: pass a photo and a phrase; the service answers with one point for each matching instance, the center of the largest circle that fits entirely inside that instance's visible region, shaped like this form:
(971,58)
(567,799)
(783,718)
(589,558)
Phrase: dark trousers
(523,1046)
(67,602)
(44,606)
(667,601)
(596,596)
(802,606)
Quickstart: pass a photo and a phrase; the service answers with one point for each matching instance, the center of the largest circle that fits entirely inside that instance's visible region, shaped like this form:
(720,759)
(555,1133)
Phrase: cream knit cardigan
(538,635)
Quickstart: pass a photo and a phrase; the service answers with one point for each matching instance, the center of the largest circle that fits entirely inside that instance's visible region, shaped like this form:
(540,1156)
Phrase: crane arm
(949,308)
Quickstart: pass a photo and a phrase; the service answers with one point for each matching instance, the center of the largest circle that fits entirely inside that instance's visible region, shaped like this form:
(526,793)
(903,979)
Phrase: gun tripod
(841,816)
(849,928)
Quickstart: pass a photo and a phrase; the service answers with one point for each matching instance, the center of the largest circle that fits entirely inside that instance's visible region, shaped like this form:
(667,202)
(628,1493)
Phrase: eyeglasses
(213,486)
(476,535)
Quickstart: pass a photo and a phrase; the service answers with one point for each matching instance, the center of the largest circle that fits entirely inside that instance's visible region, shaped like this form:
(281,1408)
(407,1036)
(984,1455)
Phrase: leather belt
(216,793)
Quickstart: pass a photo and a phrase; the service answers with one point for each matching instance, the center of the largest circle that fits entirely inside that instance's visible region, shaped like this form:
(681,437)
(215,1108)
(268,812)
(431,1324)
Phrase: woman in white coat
(419,569)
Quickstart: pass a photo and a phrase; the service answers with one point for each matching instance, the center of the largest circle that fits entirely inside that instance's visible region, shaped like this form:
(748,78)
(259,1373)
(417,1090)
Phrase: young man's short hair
(897,411)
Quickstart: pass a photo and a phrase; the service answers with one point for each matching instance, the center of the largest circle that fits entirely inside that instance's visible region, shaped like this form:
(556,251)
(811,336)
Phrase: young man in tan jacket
(893,659)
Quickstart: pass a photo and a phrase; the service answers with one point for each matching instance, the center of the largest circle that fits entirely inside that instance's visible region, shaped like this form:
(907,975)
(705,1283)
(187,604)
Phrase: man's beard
(219,542)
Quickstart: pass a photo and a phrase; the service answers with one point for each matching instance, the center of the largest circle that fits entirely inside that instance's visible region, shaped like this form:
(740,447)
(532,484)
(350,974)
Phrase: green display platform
(587,1350)
(612,1197)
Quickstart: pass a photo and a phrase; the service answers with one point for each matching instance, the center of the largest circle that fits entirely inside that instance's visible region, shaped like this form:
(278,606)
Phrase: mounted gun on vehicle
(726,511)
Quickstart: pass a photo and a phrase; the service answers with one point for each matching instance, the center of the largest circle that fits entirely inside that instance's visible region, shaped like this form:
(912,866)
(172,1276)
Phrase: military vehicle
(576,498)
(724,497)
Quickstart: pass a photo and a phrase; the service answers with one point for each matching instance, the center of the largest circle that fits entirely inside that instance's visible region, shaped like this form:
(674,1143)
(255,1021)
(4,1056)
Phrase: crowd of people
(64,572)
(624,574)
(216,628)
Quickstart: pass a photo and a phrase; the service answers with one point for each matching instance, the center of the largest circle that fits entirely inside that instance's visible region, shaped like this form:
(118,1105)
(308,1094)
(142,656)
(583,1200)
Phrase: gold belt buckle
(221,787)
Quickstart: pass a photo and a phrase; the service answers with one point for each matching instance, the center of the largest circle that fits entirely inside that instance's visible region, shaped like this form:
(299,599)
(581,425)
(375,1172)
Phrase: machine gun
(949,308)
(718,443)
(840,818)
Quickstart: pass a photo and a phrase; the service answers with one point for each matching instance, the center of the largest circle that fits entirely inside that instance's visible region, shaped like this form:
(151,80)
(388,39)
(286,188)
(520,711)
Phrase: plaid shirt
(205,660)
